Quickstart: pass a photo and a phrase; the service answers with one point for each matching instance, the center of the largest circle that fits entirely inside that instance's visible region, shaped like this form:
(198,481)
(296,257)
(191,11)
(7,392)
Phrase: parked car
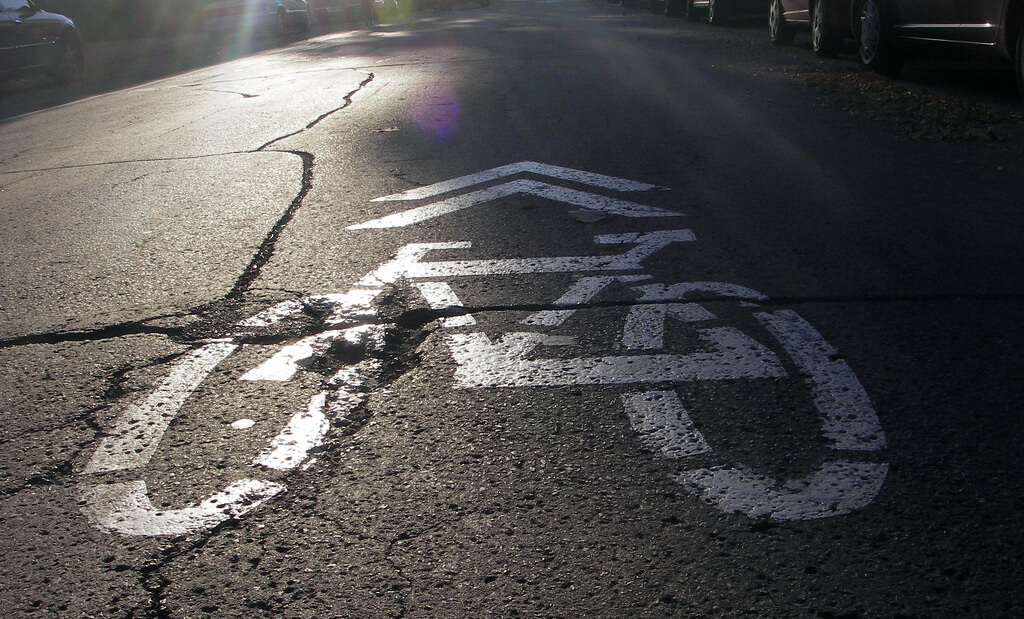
(888,30)
(718,12)
(33,41)
(828,21)
(281,16)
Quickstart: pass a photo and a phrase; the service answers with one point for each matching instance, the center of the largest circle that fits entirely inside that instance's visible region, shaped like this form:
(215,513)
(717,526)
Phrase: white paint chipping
(566,174)
(366,337)
(848,418)
(287,361)
(564,195)
(680,291)
(125,508)
(352,307)
(140,427)
(273,314)
(482,363)
(290,359)
(580,293)
(305,430)
(835,489)
(348,307)
(440,296)
(663,424)
(645,324)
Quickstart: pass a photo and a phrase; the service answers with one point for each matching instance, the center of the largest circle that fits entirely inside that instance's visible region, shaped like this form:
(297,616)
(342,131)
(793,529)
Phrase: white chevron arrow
(566,174)
(582,199)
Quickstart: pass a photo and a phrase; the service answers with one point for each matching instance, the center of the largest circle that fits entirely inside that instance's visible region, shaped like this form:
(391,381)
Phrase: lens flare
(437,114)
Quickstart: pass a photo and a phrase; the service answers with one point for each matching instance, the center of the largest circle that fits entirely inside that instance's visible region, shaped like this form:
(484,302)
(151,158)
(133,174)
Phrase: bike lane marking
(658,416)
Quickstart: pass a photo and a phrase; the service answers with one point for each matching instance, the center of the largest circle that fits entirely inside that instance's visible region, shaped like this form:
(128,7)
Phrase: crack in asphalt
(242,283)
(348,101)
(132,327)
(151,577)
(97,164)
(266,248)
(418,317)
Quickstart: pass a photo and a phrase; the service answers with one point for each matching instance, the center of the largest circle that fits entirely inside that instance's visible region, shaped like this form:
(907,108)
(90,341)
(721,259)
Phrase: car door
(796,10)
(926,19)
(10,34)
(981,20)
(40,32)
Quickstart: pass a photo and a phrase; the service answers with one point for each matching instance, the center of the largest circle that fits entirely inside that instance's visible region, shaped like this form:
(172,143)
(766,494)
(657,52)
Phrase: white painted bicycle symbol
(848,423)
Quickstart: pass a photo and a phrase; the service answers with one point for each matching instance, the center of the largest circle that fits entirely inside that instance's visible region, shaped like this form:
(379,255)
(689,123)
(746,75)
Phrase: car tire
(780,32)
(692,13)
(674,7)
(875,46)
(69,63)
(824,39)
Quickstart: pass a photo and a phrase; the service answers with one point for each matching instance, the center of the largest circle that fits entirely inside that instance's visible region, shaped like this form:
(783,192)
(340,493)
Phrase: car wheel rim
(773,20)
(869,31)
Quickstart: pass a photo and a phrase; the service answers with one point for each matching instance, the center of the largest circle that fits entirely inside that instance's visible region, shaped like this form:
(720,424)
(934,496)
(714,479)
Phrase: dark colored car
(828,21)
(887,30)
(33,41)
(718,12)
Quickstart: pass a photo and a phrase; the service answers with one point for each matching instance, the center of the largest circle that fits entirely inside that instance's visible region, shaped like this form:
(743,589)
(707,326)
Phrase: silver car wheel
(816,25)
(870,31)
(779,31)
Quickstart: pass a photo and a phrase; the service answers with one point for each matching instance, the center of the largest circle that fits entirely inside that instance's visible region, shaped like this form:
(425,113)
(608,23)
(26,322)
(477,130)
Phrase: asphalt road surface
(544,309)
